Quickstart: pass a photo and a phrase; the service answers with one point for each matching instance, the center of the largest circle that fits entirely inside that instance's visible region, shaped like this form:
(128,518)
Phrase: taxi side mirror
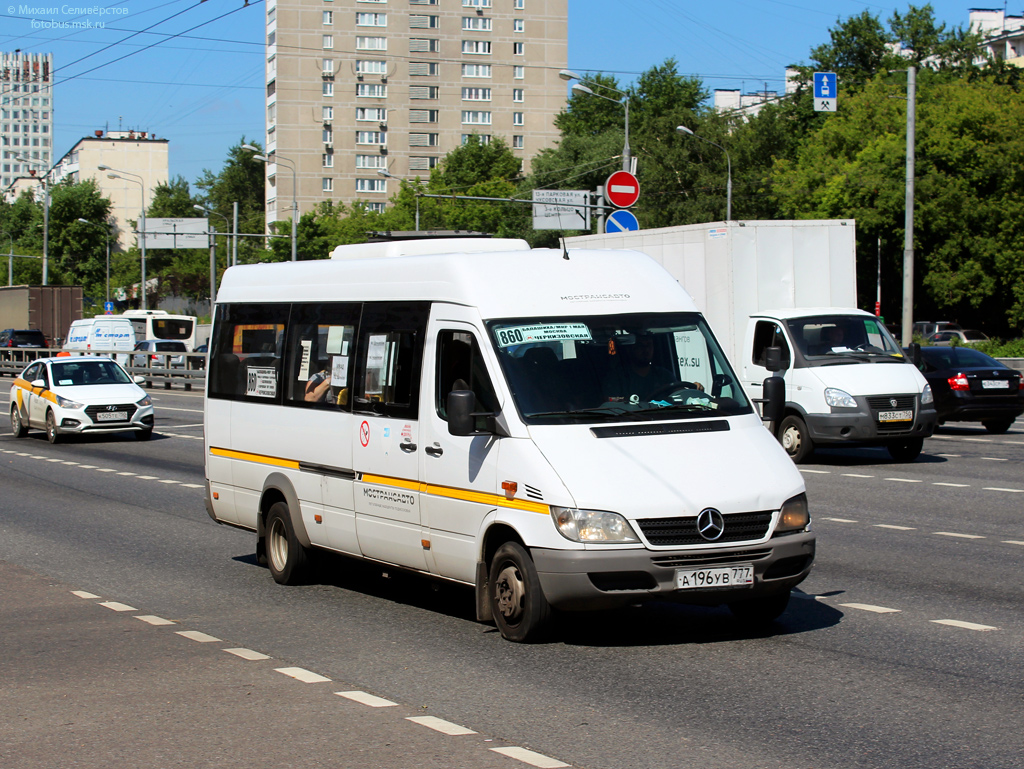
(39,383)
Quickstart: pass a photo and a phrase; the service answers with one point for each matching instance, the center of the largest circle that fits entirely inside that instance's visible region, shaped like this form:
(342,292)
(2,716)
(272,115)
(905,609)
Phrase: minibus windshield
(600,368)
(830,339)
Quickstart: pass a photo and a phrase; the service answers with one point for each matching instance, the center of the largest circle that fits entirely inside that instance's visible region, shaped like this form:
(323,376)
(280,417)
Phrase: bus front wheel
(518,605)
(287,558)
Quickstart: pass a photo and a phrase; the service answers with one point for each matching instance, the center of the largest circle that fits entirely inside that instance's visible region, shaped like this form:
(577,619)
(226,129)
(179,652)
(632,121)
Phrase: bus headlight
(592,525)
(794,515)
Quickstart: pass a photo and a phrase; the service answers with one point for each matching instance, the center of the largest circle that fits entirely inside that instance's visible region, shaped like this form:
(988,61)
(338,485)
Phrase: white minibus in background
(558,429)
(161,325)
(101,335)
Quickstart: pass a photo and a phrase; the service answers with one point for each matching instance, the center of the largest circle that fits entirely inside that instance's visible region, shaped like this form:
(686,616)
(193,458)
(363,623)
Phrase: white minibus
(163,326)
(102,335)
(558,429)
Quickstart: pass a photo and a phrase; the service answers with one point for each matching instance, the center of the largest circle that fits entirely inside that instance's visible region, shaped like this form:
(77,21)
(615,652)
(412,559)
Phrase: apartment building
(361,93)
(26,115)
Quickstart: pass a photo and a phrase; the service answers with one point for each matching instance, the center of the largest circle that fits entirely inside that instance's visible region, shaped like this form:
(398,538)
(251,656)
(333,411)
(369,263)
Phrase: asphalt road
(904,647)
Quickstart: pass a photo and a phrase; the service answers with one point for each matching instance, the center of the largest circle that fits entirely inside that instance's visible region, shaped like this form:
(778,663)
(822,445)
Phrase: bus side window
(460,366)
(321,344)
(246,352)
(389,357)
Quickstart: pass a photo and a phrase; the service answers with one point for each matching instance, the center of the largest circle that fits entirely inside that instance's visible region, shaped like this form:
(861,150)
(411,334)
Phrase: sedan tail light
(959,382)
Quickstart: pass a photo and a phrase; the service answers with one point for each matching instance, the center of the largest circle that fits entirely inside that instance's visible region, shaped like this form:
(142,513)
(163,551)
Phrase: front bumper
(861,426)
(77,422)
(589,579)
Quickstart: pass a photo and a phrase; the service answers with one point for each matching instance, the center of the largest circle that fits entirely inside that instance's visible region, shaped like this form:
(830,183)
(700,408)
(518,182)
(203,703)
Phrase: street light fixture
(106,229)
(115,174)
(728,187)
(295,204)
(44,181)
(584,87)
(388,175)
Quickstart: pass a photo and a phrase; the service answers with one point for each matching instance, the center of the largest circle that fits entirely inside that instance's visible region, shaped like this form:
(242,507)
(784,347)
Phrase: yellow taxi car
(78,395)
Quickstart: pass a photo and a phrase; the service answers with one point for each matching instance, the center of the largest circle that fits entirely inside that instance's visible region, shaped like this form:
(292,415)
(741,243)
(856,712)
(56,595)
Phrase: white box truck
(792,285)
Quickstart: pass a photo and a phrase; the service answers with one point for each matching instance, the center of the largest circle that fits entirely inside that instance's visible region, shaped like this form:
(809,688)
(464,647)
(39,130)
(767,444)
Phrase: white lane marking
(953,485)
(126,473)
(195,635)
(964,625)
(531,758)
(301,674)
(898,528)
(146,477)
(1012,542)
(170,481)
(179,427)
(54,460)
(995,459)
(105,470)
(190,437)
(83,594)
(856,475)
(152,619)
(192,485)
(996,488)
(88,467)
(979,440)
(114,605)
(948,456)
(367,699)
(71,463)
(839,520)
(816,472)
(904,480)
(869,607)
(961,536)
(440,725)
(169,408)
(247,654)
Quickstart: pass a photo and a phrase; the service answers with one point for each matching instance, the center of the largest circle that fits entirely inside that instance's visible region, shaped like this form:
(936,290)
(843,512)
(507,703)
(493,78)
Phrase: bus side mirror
(773,359)
(460,412)
(773,407)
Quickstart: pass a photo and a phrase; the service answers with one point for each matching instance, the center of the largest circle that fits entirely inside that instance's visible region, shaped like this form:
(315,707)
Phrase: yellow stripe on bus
(262,459)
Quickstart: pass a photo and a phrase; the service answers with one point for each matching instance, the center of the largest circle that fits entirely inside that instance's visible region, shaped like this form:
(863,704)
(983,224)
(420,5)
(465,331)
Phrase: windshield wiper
(676,407)
(598,411)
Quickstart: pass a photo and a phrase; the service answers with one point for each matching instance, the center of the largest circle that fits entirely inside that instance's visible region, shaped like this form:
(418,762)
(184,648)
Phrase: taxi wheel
(51,428)
(794,438)
(144,435)
(760,611)
(518,605)
(18,429)
(287,558)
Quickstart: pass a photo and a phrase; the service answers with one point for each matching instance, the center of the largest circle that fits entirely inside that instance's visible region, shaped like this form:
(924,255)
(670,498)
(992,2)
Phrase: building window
(518,25)
(327,135)
(421,21)
(375,207)
(423,140)
(476,23)
(476,70)
(421,68)
(328,88)
(371,67)
(517,94)
(477,46)
(518,71)
(371,43)
(328,160)
(476,3)
(371,185)
(328,17)
(476,94)
(328,184)
(423,115)
(328,42)
(423,163)
(328,67)
(371,90)
(517,49)
(328,113)
(379,138)
(424,92)
(372,114)
(423,2)
(475,117)
(517,142)
(371,20)
(372,162)
(517,118)
(424,45)
(519,4)
(484,138)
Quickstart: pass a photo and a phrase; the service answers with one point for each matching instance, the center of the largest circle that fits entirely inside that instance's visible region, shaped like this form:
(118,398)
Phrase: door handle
(434,451)
(407,447)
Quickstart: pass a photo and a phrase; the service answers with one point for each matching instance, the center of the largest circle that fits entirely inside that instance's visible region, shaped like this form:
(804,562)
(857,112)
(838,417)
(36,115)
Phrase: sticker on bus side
(261,383)
(542,332)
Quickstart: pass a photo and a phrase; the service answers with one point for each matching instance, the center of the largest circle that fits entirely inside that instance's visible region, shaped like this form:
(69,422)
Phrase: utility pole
(908,227)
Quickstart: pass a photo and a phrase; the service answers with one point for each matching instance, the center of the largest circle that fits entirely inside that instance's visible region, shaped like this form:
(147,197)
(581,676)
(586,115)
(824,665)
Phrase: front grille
(739,527)
(128,408)
(703,559)
(884,402)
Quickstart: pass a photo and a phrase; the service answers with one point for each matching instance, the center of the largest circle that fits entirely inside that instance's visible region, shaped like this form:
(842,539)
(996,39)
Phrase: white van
(558,429)
(103,335)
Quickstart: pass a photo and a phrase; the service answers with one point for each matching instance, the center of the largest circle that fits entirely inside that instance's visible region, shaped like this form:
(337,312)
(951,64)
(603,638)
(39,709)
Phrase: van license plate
(727,576)
(112,416)
(896,416)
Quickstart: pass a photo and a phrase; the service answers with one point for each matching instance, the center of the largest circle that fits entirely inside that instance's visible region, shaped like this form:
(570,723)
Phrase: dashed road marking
(871,608)
(301,674)
(897,528)
(440,725)
(962,624)
(816,472)
(126,473)
(978,440)
(529,757)
(195,635)
(904,480)
(953,485)
(839,520)
(83,594)
(247,654)
(957,534)
(368,699)
(169,481)
(997,488)
(105,470)
(146,477)
(192,485)
(995,459)
(152,619)
(115,606)
(1012,542)
(856,475)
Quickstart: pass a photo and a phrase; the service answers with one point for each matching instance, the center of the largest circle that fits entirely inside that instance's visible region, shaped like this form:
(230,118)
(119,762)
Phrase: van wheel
(287,559)
(518,605)
(794,438)
(997,426)
(51,428)
(760,611)
(18,429)
(906,451)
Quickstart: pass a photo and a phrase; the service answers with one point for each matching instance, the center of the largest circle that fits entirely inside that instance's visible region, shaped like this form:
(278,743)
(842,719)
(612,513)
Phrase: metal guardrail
(192,372)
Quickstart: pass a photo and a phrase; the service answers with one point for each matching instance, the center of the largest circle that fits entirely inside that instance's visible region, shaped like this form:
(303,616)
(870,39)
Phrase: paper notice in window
(339,371)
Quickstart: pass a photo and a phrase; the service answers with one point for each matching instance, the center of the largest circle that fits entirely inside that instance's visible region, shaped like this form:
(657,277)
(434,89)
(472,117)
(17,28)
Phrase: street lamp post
(213,252)
(10,259)
(295,201)
(115,174)
(106,230)
(44,181)
(584,86)
(728,161)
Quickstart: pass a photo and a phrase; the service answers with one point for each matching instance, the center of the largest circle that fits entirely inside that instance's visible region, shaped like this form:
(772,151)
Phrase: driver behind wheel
(638,378)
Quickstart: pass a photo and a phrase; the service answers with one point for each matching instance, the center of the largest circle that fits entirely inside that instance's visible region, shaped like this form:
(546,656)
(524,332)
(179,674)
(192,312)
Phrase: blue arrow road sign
(621,221)
(825,85)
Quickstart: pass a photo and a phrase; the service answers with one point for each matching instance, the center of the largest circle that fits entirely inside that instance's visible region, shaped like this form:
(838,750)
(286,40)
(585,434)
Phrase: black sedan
(970,386)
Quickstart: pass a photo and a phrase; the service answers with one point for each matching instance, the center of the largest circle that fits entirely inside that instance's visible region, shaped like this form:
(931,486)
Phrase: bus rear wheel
(287,558)
(518,605)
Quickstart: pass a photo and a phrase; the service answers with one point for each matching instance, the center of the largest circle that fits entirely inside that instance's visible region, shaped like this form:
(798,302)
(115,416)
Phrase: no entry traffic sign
(622,189)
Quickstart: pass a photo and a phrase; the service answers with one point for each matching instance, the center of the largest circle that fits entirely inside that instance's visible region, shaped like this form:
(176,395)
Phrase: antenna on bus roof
(565,251)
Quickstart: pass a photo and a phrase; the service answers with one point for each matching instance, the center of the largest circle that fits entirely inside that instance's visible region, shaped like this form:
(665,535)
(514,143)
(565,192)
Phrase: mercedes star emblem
(710,524)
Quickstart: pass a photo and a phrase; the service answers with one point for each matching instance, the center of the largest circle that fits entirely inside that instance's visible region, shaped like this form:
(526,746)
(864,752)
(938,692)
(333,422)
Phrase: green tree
(240,180)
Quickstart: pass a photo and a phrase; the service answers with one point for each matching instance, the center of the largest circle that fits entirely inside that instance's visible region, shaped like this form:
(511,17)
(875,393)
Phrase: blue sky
(192,72)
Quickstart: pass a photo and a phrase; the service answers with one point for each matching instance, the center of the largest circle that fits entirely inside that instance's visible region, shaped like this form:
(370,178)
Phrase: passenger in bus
(318,388)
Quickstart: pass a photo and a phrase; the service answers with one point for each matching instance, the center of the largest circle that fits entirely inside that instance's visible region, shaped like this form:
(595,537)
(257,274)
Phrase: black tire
(18,428)
(51,428)
(287,559)
(997,426)
(905,451)
(760,611)
(144,435)
(795,439)
(520,610)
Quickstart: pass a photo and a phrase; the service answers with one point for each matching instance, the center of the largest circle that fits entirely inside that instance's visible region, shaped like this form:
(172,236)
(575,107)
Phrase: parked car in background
(925,328)
(967,336)
(76,395)
(12,339)
(196,362)
(969,386)
(160,354)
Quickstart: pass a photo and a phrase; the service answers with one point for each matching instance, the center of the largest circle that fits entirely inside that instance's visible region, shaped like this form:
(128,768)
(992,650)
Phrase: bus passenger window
(245,356)
(321,345)
(389,357)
